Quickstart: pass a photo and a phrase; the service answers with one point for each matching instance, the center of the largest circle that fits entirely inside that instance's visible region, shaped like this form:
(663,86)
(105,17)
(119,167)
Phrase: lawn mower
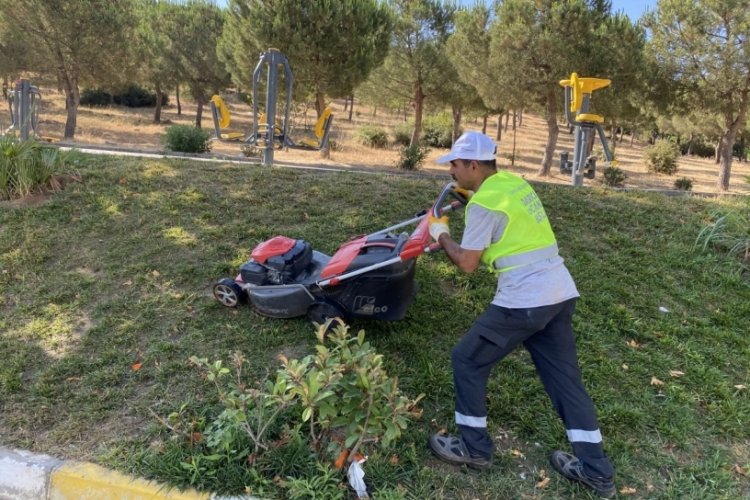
(370,276)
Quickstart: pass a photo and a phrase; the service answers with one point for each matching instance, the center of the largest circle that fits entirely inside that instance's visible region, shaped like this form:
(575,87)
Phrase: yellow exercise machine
(222,121)
(578,92)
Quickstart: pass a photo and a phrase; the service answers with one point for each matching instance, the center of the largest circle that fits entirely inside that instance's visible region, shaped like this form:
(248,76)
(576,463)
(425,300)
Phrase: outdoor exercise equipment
(24,104)
(266,138)
(578,92)
(222,121)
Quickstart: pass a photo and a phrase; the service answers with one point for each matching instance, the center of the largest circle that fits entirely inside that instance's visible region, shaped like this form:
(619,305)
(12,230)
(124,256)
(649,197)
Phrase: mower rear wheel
(320,312)
(228,293)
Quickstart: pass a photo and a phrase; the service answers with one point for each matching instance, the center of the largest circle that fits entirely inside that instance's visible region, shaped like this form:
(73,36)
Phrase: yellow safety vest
(528,236)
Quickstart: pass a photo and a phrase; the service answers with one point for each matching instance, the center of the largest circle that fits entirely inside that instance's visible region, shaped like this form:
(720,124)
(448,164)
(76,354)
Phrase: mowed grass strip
(105,292)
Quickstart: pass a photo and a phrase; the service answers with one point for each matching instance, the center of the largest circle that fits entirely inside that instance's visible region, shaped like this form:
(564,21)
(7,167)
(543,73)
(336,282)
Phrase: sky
(633,8)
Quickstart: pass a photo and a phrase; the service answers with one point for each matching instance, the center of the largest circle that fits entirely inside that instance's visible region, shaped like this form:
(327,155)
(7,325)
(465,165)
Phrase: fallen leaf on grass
(624,366)
(676,373)
(136,366)
(740,387)
(516,454)
(339,464)
(543,483)
(195,438)
(634,344)
(394,460)
(627,490)
(128,283)
(155,273)
(656,381)
(739,470)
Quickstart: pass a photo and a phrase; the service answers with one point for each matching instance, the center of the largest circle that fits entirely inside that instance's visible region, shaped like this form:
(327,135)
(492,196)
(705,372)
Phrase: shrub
(374,137)
(138,97)
(27,166)
(437,130)
(95,97)
(412,157)
(402,134)
(614,177)
(329,404)
(188,139)
(683,184)
(700,148)
(662,157)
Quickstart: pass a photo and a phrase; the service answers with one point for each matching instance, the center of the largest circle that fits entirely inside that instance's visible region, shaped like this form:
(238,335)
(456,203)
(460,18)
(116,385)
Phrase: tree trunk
(456,122)
(484,124)
(320,103)
(199,113)
(632,138)
(507,120)
(418,110)
(346,103)
(690,145)
(72,99)
(552,132)
(717,152)
(515,119)
(520,118)
(741,157)
(177,98)
(157,110)
(733,126)
(351,107)
(499,134)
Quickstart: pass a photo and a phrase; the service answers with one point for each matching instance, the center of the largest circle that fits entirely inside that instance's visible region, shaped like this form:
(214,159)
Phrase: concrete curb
(28,476)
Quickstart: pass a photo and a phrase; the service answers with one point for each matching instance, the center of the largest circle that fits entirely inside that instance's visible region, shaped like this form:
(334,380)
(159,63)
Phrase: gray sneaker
(453,450)
(569,466)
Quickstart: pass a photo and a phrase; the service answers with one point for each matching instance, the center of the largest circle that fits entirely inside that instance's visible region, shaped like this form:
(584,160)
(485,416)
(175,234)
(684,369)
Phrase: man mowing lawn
(507,230)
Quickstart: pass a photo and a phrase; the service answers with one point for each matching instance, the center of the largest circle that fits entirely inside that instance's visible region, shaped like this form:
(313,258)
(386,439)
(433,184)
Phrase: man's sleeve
(483,227)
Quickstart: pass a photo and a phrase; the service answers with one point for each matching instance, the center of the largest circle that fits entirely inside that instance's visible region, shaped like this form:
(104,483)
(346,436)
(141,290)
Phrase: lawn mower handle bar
(448,190)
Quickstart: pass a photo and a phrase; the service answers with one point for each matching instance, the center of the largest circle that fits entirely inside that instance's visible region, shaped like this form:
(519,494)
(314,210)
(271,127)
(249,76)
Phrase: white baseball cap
(471,146)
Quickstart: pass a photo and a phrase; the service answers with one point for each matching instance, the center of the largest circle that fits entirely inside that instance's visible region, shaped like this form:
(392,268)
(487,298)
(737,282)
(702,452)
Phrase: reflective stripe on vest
(522,259)
(528,236)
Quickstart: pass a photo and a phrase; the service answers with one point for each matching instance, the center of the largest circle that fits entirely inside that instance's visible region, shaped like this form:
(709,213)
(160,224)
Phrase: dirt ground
(123,127)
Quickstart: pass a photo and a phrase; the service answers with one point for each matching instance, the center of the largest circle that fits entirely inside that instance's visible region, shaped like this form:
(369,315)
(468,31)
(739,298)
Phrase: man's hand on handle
(438,226)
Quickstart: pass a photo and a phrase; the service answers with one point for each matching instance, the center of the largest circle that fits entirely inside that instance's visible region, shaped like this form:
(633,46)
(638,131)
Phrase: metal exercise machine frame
(24,109)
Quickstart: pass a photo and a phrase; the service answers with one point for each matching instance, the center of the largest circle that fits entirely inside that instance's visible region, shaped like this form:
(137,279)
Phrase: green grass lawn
(116,272)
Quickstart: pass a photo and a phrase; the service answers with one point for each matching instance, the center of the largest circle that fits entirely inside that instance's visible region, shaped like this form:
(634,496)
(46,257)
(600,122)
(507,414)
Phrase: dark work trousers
(547,333)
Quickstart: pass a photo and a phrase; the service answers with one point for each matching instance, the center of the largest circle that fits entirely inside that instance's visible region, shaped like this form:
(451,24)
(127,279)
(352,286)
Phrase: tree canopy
(331,45)
(702,45)
(81,41)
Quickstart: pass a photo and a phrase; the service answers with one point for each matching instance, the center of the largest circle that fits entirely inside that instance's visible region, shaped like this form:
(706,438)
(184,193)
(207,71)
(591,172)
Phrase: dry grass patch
(134,128)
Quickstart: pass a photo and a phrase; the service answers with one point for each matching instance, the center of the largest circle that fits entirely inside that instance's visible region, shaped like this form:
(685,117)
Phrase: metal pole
(579,155)
(24,109)
(270,110)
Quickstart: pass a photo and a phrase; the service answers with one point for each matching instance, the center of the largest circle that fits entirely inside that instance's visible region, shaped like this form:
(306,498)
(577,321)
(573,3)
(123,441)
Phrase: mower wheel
(228,293)
(320,312)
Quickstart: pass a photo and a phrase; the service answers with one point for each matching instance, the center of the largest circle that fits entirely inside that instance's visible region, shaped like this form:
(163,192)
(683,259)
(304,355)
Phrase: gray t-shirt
(542,283)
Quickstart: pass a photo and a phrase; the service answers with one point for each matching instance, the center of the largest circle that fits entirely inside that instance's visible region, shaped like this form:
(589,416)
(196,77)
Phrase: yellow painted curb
(84,481)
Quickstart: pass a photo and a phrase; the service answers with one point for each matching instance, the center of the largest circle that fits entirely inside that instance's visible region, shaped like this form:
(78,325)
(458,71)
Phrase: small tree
(701,43)
(193,29)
